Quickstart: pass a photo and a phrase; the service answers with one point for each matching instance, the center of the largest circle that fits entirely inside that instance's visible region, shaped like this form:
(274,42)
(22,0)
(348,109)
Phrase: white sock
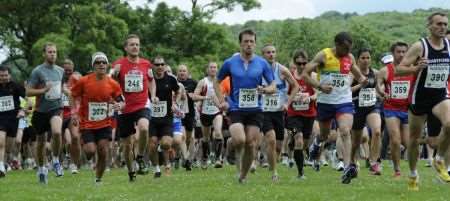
(2,166)
(157,169)
(438,157)
(413,173)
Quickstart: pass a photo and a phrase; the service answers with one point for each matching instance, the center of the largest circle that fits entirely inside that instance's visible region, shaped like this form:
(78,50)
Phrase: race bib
(399,89)
(271,102)
(437,76)
(134,83)
(367,97)
(338,80)
(300,105)
(55,91)
(6,103)
(248,98)
(65,100)
(208,107)
(98,111)
(159,109)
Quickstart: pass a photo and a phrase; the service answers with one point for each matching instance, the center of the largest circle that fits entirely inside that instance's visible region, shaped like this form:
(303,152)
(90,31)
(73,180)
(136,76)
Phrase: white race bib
(367,97)
(208,107)
(65,100)
(134,83)
(300,105)
(271,102)
(338,80)
(400,89)
(6,103)
(248,98)
(98,111)
(55,91)
(437,76)
(159,109)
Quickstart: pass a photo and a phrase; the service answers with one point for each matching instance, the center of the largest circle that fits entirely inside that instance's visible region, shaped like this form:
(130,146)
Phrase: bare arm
(381,78)
(312,66)
(292,83)
(407,66)
(30,91)
(198,89)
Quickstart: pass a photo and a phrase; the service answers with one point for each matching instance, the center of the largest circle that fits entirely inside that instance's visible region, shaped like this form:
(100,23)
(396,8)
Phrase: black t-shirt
(189,86)
(164,91)
(10,93)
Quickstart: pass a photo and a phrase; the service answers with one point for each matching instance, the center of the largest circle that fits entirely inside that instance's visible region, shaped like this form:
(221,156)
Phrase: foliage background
(82,27)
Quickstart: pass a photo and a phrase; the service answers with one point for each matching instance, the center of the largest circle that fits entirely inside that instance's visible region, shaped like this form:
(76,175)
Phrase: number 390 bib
(98,111)
(134,83)
(436,77)
(248,98)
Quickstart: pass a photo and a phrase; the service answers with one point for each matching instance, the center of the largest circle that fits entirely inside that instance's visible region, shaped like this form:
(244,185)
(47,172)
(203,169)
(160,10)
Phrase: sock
(438,157)
(139,157)
(160,157)
(218,148)
(299,160)
(157,169)
(205,148)
(2,166)
(413,173)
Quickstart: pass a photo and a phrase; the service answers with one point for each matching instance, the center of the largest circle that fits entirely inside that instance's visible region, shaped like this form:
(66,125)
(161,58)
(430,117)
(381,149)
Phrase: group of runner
(250,108)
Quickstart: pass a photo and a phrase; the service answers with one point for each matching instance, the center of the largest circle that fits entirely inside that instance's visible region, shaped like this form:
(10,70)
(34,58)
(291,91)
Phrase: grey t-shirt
(41,76)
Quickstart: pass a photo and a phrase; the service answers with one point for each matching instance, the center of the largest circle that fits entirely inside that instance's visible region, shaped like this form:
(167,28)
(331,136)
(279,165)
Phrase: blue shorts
(177,127)
(327,112)
(403,116)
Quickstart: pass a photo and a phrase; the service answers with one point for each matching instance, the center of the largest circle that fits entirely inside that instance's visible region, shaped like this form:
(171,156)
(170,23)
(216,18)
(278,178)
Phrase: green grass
(221,184)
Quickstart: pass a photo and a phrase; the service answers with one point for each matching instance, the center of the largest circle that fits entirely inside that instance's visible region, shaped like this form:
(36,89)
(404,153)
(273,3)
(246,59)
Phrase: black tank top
(367,96)
(430,84)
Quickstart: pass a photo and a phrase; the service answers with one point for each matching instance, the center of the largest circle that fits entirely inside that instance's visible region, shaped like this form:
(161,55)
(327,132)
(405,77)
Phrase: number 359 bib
(248,98)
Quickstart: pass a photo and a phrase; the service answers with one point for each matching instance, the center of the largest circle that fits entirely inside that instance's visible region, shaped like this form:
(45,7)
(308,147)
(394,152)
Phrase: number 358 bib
(248,98)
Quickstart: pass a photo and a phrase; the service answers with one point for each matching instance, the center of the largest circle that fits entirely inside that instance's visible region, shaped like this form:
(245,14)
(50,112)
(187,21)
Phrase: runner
(335,97)
(10,111)
(162,116)
(189,118)
(429,61)
(135,77)
(394,90)
(70,78)
(367,112)
(302,112)
(246,71)
(46,84)
(210,115)
(96,91)
(275,105)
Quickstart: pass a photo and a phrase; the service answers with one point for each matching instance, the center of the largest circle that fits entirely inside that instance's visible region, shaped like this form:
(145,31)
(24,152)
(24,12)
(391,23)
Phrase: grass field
(221,184)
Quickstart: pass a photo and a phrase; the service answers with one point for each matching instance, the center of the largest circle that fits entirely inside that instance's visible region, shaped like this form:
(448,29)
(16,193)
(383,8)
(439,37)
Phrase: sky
(284,9)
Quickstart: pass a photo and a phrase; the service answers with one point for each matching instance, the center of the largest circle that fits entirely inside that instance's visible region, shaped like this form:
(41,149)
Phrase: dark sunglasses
(161,64)
(100,62)
(301,63)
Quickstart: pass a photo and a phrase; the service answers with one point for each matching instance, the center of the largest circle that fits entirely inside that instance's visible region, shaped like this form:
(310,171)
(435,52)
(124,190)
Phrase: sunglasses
(161,64)
(100,62)
(301,63)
